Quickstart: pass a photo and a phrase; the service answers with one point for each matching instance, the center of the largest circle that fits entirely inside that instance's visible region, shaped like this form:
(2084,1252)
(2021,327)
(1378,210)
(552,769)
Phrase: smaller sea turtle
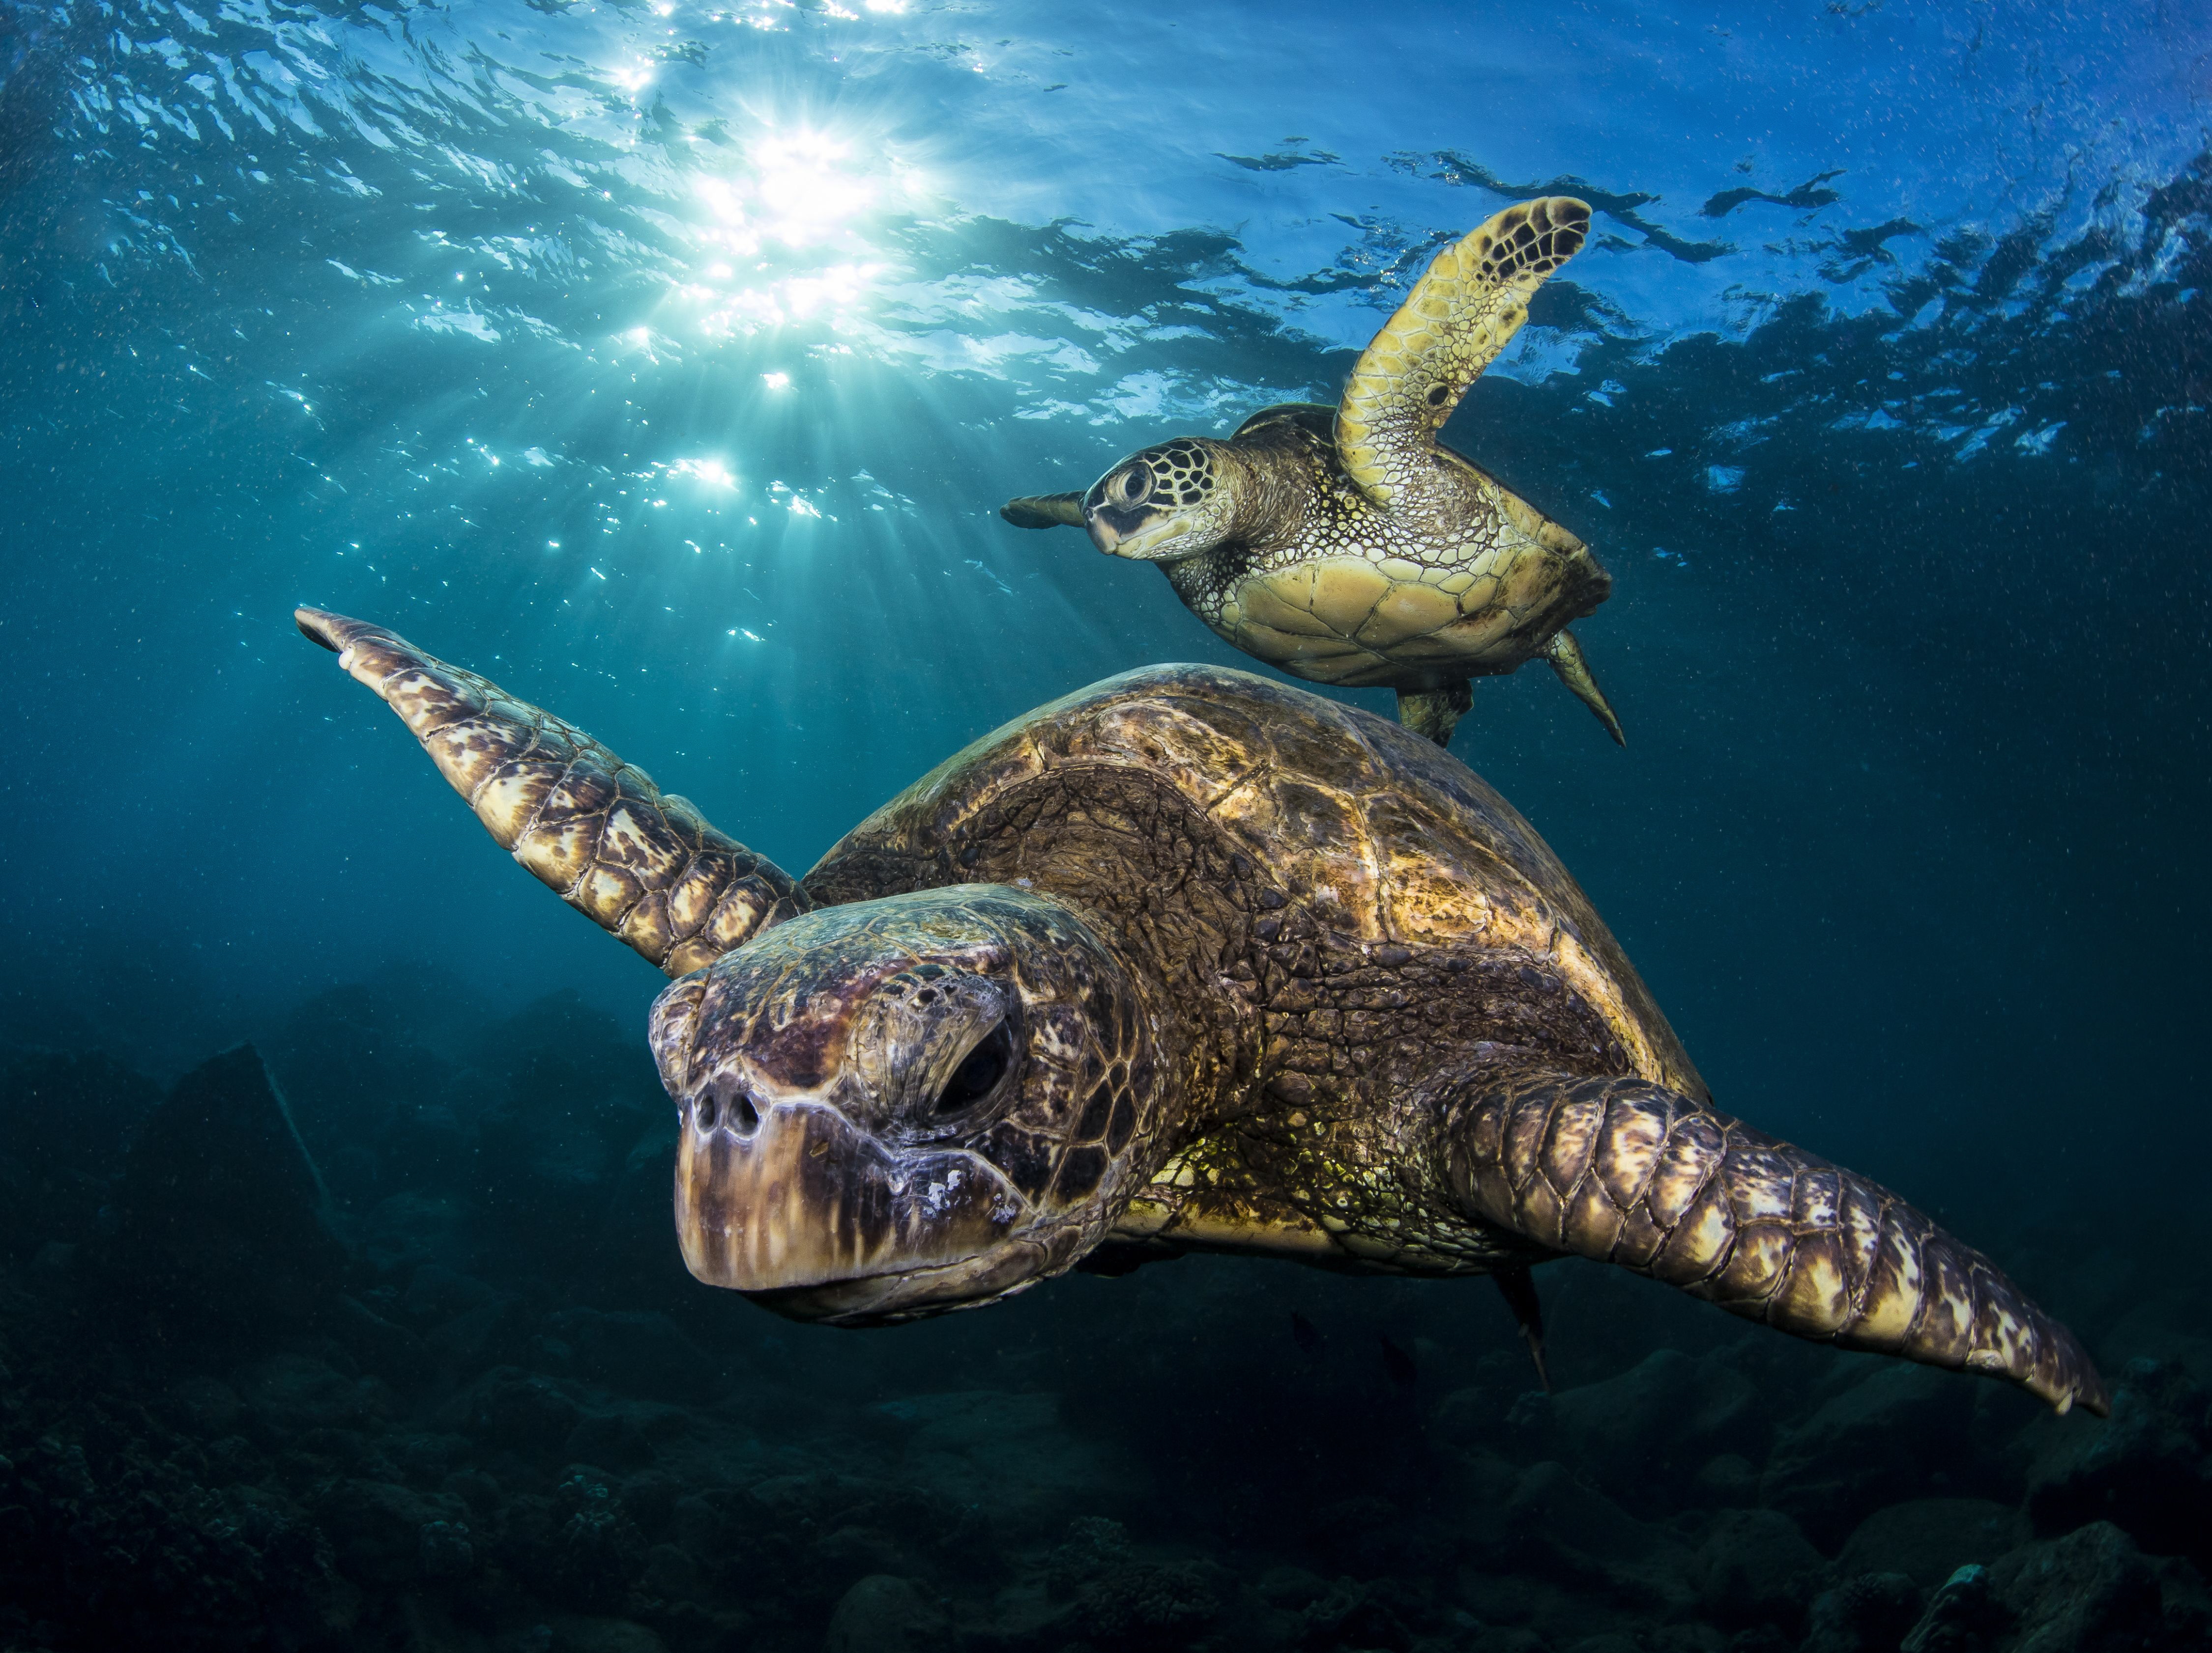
(1346,546)
(1188,961)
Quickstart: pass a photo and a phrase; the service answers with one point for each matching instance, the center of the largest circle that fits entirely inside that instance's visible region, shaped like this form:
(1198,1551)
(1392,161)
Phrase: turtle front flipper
(1623,1170)
(640,864)
(1044,511)
(1452,325)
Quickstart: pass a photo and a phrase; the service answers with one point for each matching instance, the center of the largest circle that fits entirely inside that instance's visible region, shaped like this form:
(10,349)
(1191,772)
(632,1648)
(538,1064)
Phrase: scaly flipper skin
(1567,659)
(1044,511)
(1435,712)
(1452,325)
(641,864)
(1629,1172)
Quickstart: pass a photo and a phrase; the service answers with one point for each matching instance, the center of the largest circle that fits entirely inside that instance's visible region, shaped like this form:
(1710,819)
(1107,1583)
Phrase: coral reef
(384,1344)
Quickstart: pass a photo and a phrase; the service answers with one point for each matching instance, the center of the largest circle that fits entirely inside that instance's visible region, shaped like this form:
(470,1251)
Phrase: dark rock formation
(219,1214)
(884,1614)
(1755,1567)
(2148,1470)
(1927,1540)
(1651,1425)
(1899,1432)
(64,1119)
(496,1417)
(1869,1614)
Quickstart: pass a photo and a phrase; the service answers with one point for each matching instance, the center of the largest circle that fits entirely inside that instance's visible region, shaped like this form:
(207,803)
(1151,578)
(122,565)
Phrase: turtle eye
(1130,485)
(978,1073)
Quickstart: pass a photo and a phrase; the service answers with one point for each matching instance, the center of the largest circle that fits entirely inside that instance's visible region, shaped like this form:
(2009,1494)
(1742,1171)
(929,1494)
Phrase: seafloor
(444,1384)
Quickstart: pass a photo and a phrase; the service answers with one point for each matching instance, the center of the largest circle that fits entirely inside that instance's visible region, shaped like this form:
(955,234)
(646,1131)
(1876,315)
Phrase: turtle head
(1165,503)
(900,1106)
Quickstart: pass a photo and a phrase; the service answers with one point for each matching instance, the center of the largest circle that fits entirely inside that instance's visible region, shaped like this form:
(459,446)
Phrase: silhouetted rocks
(2148,1468)
(2090,1592)
(641,1354)
(1869,1614)
(65,1120)
(1927,1540)
(1884,1439)
(219,1214)
(1146,1605)
(884,1614)
(1754,1567)
(1656,1423)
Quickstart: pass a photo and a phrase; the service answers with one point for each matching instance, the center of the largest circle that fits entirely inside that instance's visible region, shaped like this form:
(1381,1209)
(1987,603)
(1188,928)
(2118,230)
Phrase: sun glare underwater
(1844,377)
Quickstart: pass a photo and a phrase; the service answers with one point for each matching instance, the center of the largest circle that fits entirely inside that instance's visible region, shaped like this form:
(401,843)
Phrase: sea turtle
(1188,960)
(1346,546)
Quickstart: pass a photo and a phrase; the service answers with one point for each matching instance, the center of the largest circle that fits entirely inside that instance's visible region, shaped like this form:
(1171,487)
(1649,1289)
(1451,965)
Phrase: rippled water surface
(667,363)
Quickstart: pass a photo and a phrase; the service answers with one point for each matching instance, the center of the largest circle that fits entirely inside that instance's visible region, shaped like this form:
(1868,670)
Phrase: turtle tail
(1626,1171)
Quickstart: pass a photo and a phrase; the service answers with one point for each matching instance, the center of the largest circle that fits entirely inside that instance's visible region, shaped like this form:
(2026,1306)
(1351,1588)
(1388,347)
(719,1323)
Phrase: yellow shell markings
(1360,597)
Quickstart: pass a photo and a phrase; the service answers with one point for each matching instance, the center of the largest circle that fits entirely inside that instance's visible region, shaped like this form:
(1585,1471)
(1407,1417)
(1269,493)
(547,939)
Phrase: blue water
(668,362)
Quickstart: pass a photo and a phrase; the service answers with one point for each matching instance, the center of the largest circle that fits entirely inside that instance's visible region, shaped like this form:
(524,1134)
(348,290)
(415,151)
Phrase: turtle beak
(774,1194)
(1103,534)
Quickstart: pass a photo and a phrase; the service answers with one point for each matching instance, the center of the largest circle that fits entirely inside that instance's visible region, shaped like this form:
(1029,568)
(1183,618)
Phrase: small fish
(1305,1333)
(1398,1363)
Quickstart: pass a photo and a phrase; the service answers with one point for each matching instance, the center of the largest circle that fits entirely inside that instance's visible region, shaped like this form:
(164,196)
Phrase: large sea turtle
(1346,546)
(1188,960)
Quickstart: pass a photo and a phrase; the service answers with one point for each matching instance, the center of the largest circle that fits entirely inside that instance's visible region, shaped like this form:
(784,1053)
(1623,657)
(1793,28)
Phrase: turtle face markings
(1163,504)
(905,1105)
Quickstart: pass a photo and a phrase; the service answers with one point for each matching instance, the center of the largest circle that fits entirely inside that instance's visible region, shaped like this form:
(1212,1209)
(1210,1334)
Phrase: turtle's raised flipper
(1623,1170)
(1044,511)
(640,864)
(1452,325)
(1435,712)
(1568,659)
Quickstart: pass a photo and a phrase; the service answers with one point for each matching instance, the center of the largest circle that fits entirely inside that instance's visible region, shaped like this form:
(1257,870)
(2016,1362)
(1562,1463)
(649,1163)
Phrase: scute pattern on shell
(1383,841)
(1327,899)
(1347,595)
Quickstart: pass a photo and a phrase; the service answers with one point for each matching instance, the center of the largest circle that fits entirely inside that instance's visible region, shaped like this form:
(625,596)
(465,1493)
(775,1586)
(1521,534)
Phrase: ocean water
(667,363)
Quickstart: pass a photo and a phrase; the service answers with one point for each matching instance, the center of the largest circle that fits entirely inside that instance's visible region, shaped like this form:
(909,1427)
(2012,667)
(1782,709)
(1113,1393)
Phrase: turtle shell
(1359,600)
(1188,804)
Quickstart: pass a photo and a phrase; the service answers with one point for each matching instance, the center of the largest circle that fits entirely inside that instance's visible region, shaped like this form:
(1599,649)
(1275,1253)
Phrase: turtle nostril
(735,1114)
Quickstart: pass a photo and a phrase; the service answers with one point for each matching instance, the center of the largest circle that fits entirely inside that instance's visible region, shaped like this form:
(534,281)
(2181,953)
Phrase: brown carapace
(1346,544)
(1185,961)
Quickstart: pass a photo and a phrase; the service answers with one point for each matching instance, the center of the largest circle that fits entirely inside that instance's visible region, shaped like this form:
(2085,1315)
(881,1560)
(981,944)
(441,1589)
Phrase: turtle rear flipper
(640,864)
(1452,325)
(1518,1287)
(1567,659)
(1044,511)
(1435,712)
(1624,1171)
